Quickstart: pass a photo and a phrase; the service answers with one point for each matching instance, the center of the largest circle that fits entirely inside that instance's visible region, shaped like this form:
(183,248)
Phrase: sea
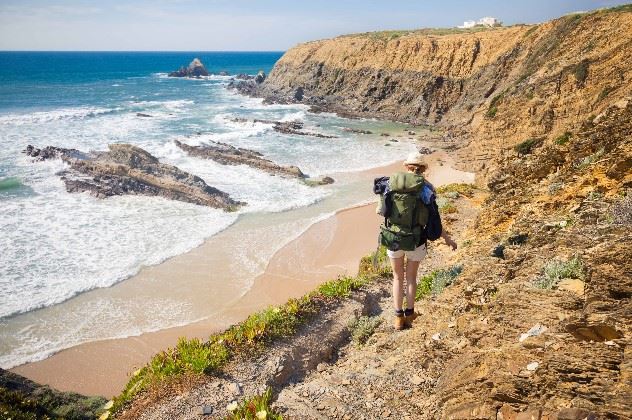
(56,246)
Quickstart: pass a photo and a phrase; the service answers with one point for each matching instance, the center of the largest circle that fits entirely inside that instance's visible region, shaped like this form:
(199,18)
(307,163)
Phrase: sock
(399,312)
(409,312)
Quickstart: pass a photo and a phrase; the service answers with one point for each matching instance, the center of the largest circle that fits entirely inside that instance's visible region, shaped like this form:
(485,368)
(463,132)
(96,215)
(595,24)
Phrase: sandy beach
(327,249)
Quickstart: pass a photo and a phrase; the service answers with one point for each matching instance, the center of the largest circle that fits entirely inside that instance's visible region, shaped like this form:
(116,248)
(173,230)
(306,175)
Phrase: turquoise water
(57,245)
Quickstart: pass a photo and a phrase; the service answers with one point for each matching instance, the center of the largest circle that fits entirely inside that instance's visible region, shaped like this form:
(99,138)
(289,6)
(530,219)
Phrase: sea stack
(194,69)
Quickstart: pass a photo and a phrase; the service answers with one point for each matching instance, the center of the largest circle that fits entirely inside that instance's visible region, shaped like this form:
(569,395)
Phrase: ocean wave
(40,117)
(56,236)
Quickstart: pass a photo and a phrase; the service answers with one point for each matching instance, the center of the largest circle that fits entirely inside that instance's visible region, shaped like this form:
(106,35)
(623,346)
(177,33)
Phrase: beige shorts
(417,255)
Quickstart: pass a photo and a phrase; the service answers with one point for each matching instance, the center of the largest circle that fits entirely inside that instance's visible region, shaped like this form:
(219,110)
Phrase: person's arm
(448,240)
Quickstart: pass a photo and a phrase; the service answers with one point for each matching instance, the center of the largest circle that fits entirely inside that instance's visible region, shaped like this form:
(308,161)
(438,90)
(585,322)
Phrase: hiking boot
(399,320)
(409,317)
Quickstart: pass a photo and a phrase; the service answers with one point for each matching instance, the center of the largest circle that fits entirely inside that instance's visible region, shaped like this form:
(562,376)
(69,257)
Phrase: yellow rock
(572,285)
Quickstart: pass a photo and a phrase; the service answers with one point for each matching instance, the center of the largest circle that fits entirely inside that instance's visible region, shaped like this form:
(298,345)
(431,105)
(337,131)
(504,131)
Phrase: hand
(449,242)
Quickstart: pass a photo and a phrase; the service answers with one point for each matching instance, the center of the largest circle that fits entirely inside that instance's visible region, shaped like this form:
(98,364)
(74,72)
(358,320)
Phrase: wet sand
(327,249)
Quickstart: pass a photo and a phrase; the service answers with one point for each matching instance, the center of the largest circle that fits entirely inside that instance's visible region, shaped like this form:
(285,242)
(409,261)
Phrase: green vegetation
(462,189)
(526,146)
(531,30)
(43,402)
(362,328)
(388,35)
(255,408)
(493,105)
(617,9)
(376,263)
(448,207)
(590,159)
(393,34)
(604,93)
(194,357)
(556,270)
(581,71)
(435,282)
(563,138)
(517,238)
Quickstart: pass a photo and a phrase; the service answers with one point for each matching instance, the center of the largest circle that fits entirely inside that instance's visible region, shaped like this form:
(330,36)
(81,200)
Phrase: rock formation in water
(194,69)
(248,84)
(229,155)
(287,127)
(127,169)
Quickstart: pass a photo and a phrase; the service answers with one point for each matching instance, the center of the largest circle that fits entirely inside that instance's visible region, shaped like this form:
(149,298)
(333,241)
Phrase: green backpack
(407,216)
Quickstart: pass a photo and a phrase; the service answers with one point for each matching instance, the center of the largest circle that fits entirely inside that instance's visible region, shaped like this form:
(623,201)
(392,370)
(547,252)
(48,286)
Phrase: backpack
(408,221)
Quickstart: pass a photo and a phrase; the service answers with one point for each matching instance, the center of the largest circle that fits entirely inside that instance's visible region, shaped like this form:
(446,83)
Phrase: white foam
(42,117)
(58,244)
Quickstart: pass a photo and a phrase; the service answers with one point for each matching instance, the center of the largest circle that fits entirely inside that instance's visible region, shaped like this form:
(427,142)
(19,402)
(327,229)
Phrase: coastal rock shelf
(229,155)
(127,169)
(287,127)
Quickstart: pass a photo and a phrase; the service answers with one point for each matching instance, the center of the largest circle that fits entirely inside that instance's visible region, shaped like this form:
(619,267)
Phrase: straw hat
(416,159)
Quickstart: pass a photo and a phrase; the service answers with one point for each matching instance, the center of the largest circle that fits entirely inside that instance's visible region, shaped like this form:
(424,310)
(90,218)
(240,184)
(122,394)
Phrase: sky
(243,25)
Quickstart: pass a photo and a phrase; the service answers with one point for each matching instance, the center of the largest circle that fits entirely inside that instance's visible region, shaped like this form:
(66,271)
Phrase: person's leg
(412,266)
(398,282)
(411,283)
(397,262)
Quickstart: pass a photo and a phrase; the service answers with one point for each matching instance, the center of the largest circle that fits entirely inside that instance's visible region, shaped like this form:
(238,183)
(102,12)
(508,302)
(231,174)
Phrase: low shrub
(362,328)
(556,270)
(41,402)
(563,138)
(590,159)
(255,408)
(448,208)
(526,146)
(581,71)
(463,189)
(604,93)
(435,282)
(493,105)
(375,263)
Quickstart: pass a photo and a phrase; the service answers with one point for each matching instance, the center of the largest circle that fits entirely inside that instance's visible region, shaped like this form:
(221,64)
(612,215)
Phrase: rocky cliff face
(491,88)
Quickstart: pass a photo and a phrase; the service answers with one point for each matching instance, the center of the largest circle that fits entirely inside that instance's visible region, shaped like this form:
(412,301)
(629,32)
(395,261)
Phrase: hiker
(411,217)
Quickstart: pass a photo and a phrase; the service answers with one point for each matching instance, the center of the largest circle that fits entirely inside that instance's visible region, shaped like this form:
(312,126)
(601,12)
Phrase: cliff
(531,318)
(491,88)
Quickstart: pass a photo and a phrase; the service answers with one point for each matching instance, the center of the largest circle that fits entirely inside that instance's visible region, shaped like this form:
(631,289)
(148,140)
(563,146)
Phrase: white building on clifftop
(486,21)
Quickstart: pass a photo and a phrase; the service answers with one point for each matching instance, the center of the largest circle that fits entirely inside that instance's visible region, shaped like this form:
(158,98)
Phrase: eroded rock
(229,155)
(127,169)
(194,69)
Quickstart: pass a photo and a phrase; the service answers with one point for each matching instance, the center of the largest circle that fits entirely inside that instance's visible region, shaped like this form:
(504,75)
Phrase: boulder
(127,169)
(260,77)
(194,69)
(299,93)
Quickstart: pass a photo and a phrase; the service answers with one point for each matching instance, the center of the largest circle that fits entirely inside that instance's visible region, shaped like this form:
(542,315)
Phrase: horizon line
(151,51)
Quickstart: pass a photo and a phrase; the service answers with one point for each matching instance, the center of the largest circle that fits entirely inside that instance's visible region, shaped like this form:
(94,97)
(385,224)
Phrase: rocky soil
(127,169)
